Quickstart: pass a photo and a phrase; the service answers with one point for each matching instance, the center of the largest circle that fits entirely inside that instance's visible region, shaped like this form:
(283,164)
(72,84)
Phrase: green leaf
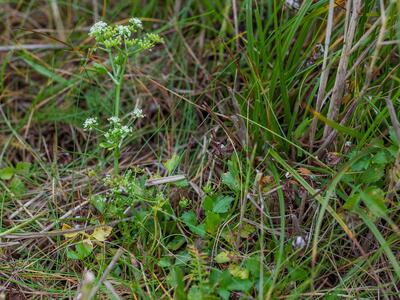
(229,180)
(84,248)
(176,243)
(361,164)
(208,203)
(238,272)
(224,257)
(23,167)
(190,220)
(374,199)
(7,173)
(195,293)
(172,163)
(213,220)
(381,158)
(164,262)
(17,186)
(222,204)
(352,202)
(99,202)
(301,128)
(44,70)
(372,174)
(71,254)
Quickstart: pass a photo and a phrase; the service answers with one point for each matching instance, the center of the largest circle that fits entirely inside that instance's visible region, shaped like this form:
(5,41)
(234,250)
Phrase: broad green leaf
(84,248)
(224,257)
(190,220)
(164,262)
(374,199)
(212,221)
(222,204)
(372,174)
(381,158)
(71,254)
(7,173)
(23,167)
(17,186)
(229,180)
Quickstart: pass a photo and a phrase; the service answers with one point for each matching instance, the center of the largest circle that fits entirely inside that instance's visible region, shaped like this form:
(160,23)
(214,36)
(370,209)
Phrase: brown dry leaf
(265,180)
(101,233)
(304,171)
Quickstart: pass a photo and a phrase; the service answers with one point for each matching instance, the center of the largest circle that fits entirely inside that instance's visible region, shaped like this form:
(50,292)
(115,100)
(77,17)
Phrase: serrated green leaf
(222,204)
(372,174)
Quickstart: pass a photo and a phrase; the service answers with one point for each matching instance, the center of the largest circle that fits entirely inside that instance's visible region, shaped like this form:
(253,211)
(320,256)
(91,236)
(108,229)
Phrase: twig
(324,74)
(340,81)
(111,289)
(105,274)
(164,180)
(57,20)
(6,48)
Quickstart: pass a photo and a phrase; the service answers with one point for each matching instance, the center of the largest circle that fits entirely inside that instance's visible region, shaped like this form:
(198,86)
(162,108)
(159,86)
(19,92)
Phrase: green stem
(117,102)
(116,161)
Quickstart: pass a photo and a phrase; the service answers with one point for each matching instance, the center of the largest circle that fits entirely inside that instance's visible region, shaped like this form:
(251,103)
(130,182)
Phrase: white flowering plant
(120,43)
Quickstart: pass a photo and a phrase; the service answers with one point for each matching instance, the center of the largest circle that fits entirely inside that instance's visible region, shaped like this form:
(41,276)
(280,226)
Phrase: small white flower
(294,4)
(98,28)
(124,31)
(114,120)
(138,113)
(126,130)
(299,242)
(90,123)
(136,22)
(347,144)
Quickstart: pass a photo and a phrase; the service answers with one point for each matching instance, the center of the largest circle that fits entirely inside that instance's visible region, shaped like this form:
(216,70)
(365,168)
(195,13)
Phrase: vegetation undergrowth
(199,149)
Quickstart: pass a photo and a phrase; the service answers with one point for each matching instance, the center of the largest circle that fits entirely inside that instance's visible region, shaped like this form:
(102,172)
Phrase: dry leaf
(304,171)
(101,233)
(66,227)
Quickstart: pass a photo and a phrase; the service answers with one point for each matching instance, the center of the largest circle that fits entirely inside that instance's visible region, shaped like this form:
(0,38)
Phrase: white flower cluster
(121,36)
(124,31)
(90,123)
(136,23)
(138,113)
(293,4)
(98,29)
(115,134)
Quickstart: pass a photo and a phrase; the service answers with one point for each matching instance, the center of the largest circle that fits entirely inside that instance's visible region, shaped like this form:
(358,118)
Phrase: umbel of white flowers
(123,36)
